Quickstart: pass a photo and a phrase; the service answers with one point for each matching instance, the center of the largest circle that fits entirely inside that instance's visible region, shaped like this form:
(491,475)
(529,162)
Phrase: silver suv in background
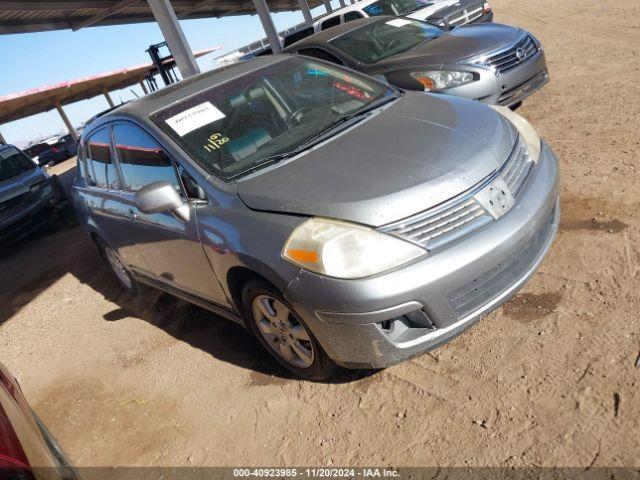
(341,220)
(444,13)
(29,198)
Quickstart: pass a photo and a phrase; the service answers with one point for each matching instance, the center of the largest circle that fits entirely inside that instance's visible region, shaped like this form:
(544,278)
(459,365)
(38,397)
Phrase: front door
(105,201)
(169,245)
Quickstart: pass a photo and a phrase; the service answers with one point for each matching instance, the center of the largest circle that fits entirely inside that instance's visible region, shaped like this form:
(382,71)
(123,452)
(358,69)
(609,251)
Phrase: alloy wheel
(118,267)
(286,336)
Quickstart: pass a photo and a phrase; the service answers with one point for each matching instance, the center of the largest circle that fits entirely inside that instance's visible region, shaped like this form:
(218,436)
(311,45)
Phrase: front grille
(467,15)
(515,171)
(436,227)
(484,288)
(463,214)
(506,60)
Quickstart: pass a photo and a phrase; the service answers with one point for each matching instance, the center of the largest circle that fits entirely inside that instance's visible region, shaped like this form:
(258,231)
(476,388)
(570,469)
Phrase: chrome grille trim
(505,60)
(467,16)
(517,168)
(463,214)
(443,224)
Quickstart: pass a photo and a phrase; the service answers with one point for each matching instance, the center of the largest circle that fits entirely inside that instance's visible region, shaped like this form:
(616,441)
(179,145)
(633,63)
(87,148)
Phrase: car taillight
(55,150)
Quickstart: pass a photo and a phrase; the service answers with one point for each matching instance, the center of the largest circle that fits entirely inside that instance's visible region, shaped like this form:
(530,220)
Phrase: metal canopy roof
(37,16)
(42,99)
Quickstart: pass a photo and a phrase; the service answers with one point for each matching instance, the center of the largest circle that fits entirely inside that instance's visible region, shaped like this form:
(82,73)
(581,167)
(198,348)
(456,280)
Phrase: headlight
(528,133)
(344,250)
(486,8)
(442,79)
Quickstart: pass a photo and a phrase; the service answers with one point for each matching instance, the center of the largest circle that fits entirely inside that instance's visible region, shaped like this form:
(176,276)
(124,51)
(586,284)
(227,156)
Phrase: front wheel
(283,333)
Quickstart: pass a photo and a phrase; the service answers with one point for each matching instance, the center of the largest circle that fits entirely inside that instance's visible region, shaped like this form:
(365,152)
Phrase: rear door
(170,246)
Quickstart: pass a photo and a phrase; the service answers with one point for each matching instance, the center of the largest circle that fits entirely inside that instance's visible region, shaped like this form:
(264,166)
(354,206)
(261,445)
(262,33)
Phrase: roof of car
(144,106)
(349,8)
(335,32)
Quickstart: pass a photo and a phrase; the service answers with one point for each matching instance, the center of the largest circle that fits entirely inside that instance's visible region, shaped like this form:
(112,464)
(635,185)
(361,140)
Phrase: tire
(67,214)
(283,333)
(122,274)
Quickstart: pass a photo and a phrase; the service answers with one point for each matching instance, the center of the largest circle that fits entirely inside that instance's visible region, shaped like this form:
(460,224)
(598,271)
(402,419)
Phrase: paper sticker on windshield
(194,118)
(398,22)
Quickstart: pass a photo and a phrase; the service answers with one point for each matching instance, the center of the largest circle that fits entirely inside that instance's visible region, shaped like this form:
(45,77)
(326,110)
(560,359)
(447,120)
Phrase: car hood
(15,186)
(417,153)
(459,44)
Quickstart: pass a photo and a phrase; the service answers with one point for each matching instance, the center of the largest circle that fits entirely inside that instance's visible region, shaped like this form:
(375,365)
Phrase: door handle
(131,215)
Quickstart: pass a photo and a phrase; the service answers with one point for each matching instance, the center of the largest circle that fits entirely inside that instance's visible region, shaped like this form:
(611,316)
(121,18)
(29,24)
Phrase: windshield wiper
(265,162)
(345,118)
(316,138)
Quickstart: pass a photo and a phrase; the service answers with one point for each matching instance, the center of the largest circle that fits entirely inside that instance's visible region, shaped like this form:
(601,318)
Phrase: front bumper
(356,321)
(508,88)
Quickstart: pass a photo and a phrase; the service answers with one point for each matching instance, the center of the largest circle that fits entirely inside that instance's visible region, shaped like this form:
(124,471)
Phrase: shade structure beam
(174,36)
(306,12)
(66,121)
(267,25)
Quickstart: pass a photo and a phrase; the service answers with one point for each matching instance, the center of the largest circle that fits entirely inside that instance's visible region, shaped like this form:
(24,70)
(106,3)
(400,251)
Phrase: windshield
(13,162)
(382,39)
(395,7)
(235,127)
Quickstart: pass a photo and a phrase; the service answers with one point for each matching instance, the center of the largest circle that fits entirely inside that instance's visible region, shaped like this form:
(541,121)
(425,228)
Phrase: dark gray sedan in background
(341,220)
(30,199)
(493,63)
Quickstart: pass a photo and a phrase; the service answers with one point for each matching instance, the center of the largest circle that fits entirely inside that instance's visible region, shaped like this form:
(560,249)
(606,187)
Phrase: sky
(37,59)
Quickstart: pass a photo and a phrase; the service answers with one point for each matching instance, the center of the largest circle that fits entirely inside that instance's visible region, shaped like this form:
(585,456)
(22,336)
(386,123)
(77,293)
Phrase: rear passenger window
(330,22)
(142,160)
(101,171)
(350,16)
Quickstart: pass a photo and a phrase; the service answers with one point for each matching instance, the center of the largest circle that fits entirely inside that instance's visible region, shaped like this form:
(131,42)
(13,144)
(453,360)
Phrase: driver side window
(142,160)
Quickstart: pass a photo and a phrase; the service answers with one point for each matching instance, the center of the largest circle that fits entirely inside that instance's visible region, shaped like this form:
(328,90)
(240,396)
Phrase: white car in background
(444,13)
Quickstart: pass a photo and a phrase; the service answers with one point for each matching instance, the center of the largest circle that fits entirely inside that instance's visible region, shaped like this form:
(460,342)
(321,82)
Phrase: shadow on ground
(33,266)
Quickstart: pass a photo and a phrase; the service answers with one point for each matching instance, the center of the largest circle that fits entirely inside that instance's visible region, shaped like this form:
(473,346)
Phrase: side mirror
(161,197)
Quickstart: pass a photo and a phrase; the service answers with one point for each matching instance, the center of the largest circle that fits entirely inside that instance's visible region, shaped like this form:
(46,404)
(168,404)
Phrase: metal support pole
(108,97)
(2,140)
(144,87)
(66,121)
(174,36)
(342,3)
(267,25)
(327,6)
(306,13)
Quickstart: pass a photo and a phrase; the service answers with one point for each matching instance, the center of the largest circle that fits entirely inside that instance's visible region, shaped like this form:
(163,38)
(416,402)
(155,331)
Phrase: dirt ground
(549,379)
